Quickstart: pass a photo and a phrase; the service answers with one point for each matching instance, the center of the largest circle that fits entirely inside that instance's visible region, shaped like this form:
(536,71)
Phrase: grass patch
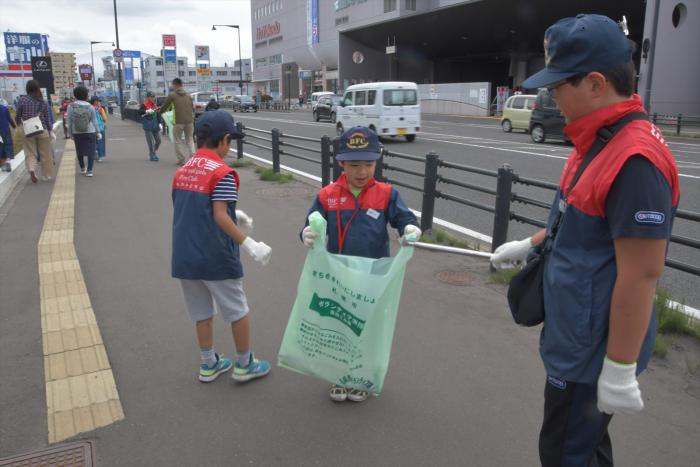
(267,175)
(661,346)
(503,276)
(671,320)
(441,237)
(239,163)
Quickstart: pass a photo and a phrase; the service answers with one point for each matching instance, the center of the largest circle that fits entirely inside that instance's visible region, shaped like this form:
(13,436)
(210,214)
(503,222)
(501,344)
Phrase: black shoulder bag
(525,293)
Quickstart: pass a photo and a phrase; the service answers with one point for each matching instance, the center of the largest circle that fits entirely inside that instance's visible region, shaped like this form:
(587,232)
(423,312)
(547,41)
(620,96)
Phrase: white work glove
(258,250)
(53,136)
(411,233)
(150,111)
(99,136)
(244,220)
(511,253)
(309,236)
(618,389)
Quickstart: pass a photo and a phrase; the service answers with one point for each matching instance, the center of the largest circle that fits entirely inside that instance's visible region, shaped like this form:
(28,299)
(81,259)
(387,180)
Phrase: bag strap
(604,135)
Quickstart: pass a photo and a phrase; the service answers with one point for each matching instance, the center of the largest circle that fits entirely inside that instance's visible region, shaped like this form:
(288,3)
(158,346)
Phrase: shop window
(389,6)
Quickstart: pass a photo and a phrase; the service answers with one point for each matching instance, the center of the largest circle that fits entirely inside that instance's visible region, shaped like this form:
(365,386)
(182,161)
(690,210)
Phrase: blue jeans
(153,140)
(101,146)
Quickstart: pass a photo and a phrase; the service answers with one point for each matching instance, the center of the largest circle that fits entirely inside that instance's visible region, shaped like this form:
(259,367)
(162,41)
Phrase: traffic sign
(118,55)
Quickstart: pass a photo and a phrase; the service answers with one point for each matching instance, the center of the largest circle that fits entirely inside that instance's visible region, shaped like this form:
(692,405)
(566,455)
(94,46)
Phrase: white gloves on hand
(99,136)
(309,236)
(53,136)
(150,111)
(244,220)
(411,233)
(512,252)
(618,390)
(258,250)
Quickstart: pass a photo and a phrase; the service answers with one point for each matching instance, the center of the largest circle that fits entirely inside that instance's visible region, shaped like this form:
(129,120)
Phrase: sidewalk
(464,386)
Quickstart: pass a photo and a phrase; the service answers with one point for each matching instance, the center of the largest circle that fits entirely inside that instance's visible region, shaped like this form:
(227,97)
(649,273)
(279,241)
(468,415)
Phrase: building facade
(223,80)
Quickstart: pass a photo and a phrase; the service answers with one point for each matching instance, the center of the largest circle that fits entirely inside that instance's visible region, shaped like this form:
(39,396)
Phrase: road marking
(81,393)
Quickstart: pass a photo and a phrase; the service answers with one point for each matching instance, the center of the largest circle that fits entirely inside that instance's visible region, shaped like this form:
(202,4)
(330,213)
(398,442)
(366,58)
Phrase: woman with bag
(33,121)
(82,127)
(101,116)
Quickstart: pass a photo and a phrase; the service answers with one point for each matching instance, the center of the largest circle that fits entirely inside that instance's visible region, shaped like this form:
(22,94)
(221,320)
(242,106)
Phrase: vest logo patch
(557,383)
(649,217)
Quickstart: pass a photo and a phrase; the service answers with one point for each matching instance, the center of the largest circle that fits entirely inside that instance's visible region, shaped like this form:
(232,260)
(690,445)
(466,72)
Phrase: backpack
(81,118)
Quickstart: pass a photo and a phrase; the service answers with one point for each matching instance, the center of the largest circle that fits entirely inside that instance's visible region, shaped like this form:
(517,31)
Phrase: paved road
(481,143)
(464,386)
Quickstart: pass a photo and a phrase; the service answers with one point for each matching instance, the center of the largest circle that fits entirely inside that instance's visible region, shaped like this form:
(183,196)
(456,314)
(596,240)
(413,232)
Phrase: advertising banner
(169,40)
(22,46)
(42,71)
(201,52)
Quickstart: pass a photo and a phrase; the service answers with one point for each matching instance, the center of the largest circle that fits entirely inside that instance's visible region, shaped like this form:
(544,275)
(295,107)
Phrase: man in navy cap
(358,209)
(206,243)
(614,210)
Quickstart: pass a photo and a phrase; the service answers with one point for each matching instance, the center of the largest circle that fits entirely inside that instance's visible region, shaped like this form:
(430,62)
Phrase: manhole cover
(455,277)
(280,192)
(79,454)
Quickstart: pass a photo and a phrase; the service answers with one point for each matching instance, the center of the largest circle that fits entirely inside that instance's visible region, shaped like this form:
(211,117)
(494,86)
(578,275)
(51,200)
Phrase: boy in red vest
(357,209)
(206,243)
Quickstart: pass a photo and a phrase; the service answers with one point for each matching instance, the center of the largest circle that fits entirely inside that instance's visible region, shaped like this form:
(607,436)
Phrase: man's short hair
(177,82)
(80,93)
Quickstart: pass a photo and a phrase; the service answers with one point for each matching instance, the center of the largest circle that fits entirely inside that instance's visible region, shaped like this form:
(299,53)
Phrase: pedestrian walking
(361,208)
(206,248)
(83,128)
(34,121)
(101,117)
(151,128)
(183,130)
(64,116)
(212,105)
(7,150)
(605,242)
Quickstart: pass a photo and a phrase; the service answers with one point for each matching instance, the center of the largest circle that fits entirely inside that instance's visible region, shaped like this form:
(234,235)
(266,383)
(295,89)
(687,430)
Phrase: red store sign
(268,30)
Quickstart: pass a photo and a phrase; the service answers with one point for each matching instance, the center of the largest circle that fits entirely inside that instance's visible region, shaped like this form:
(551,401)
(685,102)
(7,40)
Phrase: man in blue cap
(358,209)
(608,231)
(206,248)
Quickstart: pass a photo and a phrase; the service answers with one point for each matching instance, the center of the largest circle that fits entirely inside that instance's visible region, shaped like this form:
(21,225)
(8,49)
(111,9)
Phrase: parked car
(244,104)
(132,105)
(327,107)
(387,108)
(200,101)
(315,96)
(516,112)
(546,120)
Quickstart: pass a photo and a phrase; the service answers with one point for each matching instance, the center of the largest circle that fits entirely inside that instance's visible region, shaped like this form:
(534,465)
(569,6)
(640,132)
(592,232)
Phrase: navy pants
(574,432)
(85,146)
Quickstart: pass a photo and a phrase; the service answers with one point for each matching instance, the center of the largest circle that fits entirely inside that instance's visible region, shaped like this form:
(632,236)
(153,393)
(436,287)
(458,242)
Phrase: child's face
(358,173)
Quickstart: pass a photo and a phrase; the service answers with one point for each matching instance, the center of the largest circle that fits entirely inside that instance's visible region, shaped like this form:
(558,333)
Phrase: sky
(72,24)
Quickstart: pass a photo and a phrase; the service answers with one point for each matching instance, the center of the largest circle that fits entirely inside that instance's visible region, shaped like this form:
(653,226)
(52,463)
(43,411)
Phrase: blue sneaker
(207,374)
(255,369)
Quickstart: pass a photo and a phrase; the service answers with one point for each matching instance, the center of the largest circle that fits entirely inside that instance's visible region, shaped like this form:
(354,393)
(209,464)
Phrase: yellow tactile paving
(81,394)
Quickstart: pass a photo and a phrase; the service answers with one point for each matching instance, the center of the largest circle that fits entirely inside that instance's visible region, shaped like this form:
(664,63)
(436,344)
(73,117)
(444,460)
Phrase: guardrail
(428,169)
(677,121)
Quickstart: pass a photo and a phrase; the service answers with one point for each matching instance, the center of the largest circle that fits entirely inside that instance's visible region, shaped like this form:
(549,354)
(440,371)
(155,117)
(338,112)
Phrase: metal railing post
(239,141)
(379,168)
(678,125)
(429,191)
(325,161)
(653,118)
(275,150)
(337,169)
(501,218)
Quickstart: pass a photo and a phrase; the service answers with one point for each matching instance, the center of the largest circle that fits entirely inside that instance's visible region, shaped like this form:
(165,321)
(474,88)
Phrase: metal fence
(432,170)
(680,122)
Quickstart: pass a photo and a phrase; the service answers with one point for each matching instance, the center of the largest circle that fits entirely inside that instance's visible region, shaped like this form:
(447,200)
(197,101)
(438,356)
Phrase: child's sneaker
(83,171)
(255,369)
(207,375)
(89,173)
(357,395)
(338,393)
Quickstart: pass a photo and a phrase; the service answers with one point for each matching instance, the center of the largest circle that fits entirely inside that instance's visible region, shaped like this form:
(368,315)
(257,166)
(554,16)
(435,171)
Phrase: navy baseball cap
(580,45)
(359,144)
(220,123)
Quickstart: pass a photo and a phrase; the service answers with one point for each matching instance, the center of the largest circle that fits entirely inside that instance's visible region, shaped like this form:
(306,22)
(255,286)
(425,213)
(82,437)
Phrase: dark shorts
(85,144)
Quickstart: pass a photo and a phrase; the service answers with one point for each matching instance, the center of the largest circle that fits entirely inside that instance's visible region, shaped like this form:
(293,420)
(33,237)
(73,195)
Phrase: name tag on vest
(373,214)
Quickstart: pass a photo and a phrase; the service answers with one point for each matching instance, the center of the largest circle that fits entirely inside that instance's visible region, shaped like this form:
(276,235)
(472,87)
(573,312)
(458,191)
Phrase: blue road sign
(132,54)
(169,56)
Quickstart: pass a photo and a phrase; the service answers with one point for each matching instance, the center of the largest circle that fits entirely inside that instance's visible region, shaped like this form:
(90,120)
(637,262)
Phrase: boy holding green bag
(358,209)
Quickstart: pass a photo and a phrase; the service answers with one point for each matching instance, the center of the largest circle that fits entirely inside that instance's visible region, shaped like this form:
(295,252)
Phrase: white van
(389,108)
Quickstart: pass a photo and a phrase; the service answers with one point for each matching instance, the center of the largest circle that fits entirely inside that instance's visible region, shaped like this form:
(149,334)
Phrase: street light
(240,59)
(92,59)
(288,73)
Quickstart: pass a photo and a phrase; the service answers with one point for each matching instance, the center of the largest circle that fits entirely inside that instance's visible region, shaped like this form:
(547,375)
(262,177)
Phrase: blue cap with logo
(220,123)
(359,144)
(580,45)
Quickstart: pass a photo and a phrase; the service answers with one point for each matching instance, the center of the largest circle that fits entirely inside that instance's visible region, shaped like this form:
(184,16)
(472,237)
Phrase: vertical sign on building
(312,22)
(42,71)
(202,63)
(170,68)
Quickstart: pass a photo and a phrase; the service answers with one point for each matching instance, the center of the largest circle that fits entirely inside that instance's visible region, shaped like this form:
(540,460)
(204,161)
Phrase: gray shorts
(228,295)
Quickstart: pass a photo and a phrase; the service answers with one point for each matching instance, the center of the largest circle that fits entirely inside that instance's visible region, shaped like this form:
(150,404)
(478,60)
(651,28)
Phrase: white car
(132,105)
(200,101)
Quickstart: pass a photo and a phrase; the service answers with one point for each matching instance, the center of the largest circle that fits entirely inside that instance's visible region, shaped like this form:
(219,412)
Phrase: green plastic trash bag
(169,119)
(342,323)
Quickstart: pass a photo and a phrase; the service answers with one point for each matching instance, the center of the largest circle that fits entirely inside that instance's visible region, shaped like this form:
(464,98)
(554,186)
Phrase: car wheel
(339,129)
(333,117)
(410,138)
(507,126)
(316,117)
(537,134)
